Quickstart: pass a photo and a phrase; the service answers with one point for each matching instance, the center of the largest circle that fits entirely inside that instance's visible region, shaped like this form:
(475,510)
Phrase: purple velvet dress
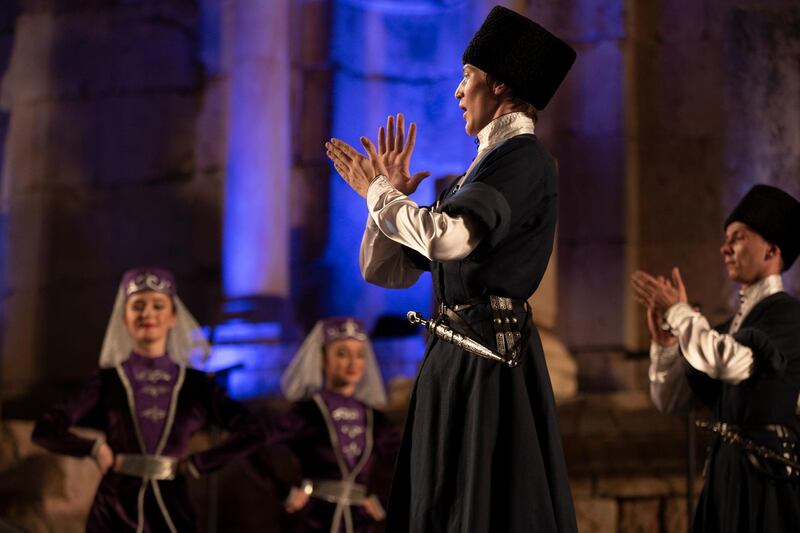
(334,437)
(148,406)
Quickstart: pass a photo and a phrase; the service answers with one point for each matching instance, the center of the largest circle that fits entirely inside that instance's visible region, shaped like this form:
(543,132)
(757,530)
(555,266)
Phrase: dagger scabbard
(449,335)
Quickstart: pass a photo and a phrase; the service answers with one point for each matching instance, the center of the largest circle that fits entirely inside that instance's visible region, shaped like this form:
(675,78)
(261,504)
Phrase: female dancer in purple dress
(149,403)
(334,430)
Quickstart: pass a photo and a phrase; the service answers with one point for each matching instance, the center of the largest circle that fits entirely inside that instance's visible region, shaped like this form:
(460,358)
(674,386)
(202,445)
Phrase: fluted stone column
(256,231)
(98,175)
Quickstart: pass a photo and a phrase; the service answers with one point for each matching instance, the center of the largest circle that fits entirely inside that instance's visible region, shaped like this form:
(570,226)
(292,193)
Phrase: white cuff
(377,188)
(677,313)
(96,447)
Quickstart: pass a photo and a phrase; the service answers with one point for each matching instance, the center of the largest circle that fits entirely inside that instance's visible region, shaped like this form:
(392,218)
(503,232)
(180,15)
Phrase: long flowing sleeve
(387,263)
(669,387)
(52,430)
(718,355)
(437,236)
(245,432)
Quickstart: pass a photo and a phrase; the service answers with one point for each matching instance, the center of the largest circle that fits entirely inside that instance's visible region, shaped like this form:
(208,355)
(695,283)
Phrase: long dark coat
(482,449)
(739,496)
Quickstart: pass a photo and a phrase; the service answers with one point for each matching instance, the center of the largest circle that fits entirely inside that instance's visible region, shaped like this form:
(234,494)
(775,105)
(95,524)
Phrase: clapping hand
(394,151)
(357,170)
(392,158)
(658,294)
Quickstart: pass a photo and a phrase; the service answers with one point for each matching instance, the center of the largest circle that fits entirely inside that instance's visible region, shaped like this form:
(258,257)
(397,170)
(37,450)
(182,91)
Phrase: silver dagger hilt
(447,334)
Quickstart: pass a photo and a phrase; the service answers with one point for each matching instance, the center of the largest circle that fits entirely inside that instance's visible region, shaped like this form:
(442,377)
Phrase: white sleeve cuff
(96,447)
(677,314)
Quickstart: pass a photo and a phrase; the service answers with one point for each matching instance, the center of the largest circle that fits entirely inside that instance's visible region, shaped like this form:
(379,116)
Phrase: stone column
(256,230)
(583,127)
(98,175)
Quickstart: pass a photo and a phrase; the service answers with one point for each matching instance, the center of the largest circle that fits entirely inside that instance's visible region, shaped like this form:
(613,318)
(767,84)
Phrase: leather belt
(507,329)
(146,466)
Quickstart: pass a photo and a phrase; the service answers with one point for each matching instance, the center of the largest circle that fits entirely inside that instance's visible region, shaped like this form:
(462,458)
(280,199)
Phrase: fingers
(401,131)
(381,140)
(678,280)
(412,140)
(341,151)
(390,145)
(369,147)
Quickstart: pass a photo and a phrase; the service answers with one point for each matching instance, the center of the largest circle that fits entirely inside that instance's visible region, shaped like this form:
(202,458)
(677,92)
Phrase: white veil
(186,344)
(304,375)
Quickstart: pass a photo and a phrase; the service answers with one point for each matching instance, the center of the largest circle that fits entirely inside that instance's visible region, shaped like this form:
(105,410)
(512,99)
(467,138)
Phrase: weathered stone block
(676,518)
(638,486)
(589,273)
(639,516)
(596,515)
(98,53)
(114,141)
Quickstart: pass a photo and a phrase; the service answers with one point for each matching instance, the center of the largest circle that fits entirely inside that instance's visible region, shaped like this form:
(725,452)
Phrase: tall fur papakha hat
(518,52)
(775,215)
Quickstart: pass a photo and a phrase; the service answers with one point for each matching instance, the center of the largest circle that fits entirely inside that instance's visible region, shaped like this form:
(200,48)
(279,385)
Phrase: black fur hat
(773,214)
(520,53)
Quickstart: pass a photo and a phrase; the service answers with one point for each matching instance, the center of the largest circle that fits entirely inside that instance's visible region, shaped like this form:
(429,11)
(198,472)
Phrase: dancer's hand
(373,508)
(298,498)
(394,152)
(657,333)
(104,457)
(358,171)
(658,295)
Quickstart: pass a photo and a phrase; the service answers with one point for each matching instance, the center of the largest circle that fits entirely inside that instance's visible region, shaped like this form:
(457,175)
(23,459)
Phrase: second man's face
(476,100)
(745,253)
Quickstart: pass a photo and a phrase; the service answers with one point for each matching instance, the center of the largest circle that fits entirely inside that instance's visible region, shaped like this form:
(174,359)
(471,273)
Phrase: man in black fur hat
(746,371)
(482,449)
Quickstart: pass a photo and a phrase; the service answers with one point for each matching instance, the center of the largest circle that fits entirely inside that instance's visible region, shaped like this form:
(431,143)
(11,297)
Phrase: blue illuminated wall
(393,56)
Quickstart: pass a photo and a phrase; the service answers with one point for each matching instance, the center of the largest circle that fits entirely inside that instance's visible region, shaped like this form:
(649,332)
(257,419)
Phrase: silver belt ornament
(730,435)
(343,492)
(158,467)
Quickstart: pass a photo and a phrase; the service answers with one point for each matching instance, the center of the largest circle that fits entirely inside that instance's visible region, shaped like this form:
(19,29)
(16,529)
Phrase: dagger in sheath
(447,334)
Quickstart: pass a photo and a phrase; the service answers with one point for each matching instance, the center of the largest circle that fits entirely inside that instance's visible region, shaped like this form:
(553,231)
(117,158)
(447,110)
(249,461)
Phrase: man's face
(746,254)
(476,99)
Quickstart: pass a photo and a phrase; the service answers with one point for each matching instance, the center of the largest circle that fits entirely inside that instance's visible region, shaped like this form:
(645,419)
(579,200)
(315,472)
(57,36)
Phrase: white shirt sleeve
(383,261)
(437,236)
(715,354)
(669,388)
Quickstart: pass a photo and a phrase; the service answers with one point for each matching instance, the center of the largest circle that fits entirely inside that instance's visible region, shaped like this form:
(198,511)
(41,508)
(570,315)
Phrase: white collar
(502,128)
(752,294)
